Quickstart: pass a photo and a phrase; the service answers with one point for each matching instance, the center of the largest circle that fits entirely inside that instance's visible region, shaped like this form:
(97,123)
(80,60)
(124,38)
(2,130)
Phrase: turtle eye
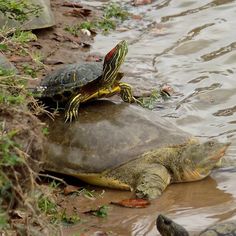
(67,94)
(211,143)
(167,221)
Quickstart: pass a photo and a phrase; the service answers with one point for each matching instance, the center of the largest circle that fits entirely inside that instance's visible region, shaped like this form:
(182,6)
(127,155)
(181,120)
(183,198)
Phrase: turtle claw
(126,93)
(137,101)
(71,115)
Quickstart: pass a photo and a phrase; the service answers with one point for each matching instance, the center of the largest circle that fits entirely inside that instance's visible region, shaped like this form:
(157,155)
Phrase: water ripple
(220,52)
(195,10)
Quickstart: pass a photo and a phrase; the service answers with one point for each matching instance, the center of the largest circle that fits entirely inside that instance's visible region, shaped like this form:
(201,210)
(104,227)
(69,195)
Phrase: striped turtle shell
(63,83)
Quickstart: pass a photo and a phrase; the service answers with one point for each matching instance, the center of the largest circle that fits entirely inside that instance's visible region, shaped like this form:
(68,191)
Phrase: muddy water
(191,46)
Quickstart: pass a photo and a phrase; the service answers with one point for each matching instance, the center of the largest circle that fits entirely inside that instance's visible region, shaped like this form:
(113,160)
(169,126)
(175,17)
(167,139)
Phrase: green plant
(37,57)
(9,158)
(29,70)
(75,29)
(54,184)
(86,193)
(114,10)
(112,14)
(6,73)
(150,101)
(106,24)
(89,25)
(11,89)
(101,211)
(3,220)
(23,37)
(46,205)
(3,47)
(69,219)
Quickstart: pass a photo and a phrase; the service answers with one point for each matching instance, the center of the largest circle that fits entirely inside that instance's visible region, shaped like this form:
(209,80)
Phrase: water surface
(189,45)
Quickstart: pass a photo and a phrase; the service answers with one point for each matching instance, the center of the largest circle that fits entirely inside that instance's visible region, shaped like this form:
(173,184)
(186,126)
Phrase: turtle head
(168,227)
(197,160)
(113,61)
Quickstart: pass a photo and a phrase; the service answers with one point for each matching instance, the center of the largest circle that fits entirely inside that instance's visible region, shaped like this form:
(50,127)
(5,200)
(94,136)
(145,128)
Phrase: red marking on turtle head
(110,54)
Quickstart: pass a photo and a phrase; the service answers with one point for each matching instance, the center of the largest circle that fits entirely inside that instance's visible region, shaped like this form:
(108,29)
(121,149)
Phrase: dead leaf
(70,4)
(94,58)
(97,233)
(69,189)
(58,37)
(49,61)
(99,212)
(167,89)
(72,39)
(19,214)
(122,29)
(101,233)
(136,17)
(37,45)
(20,59)
(132,203)
(78,12)
(142,2)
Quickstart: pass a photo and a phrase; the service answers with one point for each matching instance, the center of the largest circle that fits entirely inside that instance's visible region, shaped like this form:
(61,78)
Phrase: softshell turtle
(43,20)
(168,227)
(78,83)
(124,146)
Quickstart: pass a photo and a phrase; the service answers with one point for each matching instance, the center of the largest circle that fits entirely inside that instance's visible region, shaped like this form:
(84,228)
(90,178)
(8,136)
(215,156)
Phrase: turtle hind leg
(72,108)
(152,181)
(126,93)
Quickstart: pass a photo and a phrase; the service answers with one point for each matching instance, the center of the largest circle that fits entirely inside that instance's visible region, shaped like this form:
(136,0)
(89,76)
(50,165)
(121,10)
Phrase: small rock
(86,31)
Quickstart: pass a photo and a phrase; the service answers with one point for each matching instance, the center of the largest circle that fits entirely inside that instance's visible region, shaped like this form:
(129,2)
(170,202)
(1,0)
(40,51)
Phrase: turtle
(44,19)
(168,227)
(78,83)
(123,146)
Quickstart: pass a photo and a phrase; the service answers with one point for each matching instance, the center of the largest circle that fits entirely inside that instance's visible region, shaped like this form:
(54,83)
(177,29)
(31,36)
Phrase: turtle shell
(107,135)
(44,20)
(65,81)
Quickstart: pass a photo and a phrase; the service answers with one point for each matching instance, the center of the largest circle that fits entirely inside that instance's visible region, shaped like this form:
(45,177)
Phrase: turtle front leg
(72,108)
(152,181)
(126,93)
(73,105)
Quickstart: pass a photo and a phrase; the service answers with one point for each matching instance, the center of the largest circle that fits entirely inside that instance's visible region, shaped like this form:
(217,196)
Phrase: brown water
(191,46)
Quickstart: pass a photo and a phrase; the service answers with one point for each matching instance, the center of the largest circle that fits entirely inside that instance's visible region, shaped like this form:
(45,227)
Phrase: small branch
(53,177)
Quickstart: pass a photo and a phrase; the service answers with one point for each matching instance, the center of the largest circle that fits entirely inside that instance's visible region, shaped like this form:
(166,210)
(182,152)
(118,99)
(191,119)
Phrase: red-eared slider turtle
(44,19)
(78,83)
(124,146)
(168,227)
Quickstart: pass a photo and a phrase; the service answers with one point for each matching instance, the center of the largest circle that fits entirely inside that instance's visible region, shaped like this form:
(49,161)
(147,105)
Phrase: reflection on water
(191,46)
